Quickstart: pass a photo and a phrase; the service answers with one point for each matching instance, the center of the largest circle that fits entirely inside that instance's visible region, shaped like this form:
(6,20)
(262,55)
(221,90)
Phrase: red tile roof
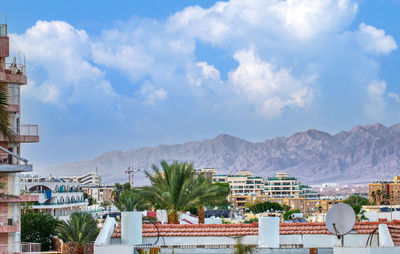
(252,229)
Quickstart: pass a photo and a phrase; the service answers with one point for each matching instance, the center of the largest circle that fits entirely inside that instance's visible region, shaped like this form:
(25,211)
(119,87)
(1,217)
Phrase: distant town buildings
(89,179)
(385,192)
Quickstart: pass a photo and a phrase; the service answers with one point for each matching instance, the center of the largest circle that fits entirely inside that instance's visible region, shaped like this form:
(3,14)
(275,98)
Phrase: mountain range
(364,153)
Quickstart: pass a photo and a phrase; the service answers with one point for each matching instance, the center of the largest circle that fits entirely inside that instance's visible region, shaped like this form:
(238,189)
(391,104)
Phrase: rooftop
(252,229)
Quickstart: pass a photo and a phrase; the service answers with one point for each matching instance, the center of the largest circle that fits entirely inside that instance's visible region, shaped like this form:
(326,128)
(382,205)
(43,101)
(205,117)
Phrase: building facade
(55,196)
(283,186)
(12,77)
(90,179)
(242,184)
(100,193)
(385,192)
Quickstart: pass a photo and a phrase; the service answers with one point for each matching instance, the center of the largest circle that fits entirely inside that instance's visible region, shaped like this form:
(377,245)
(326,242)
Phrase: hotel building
(55,196)
(242,184)
(13,76)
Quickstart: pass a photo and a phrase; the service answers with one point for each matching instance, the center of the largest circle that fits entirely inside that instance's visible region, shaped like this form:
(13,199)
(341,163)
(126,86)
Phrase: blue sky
(115,76)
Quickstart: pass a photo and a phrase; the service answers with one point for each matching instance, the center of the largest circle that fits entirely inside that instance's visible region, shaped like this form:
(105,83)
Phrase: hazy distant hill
(361,154)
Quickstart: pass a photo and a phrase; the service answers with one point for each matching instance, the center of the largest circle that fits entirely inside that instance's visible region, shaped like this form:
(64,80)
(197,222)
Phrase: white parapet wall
(385,239)
(131,228)
(363,250)
(268,232)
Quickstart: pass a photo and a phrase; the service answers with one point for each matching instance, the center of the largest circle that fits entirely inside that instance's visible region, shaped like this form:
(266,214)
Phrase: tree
(105,204)
(288,214)
(373,195)
(379,194)
(38,227)
(5,129)
(356,202)
(175,189)
(209,194)
(80,229)
(265,206)
(91,200)
(130,201)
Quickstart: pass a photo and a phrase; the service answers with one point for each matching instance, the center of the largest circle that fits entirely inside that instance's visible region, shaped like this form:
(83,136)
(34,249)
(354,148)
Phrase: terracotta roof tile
(252,229)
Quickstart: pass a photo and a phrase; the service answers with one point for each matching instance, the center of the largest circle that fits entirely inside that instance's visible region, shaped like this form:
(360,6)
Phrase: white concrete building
(56,196)
(90,179)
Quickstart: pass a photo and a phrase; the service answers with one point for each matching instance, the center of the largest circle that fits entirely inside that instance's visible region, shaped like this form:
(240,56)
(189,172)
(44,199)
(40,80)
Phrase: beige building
(99,193)
(242,184)
(385,192)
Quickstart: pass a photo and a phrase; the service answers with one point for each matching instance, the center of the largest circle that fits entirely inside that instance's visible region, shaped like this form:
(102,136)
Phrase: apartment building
(55,196)
(385,192)
(13,77)
(307,207)
(242,184)
(283,186)
(90,179)
(99,193)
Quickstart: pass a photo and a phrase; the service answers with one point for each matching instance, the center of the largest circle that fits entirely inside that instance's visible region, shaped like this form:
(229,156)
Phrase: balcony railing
(61,203)
(13,99)
(20,248)
(28,130)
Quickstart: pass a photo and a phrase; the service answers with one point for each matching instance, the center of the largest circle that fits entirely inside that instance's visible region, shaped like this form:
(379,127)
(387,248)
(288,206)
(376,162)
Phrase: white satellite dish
(340,219)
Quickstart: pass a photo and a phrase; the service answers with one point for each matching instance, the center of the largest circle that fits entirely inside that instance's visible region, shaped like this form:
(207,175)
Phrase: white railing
(20,247)
(3,30)
(29,129)
(13,99)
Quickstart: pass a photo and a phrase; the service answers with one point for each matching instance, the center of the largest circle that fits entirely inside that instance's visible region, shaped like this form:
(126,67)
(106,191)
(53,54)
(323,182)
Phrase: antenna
(340,220)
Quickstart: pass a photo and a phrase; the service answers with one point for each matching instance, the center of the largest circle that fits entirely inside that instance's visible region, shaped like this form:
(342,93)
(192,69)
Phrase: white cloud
(151,94)
(58,57)
(265,86)
(375,40)
(376,95)
(394,96)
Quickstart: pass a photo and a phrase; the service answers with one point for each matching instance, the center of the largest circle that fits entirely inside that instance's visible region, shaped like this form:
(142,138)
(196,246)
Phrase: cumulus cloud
(394,96)
(265,86)
(375,40)
(376,94)
(58,57)
(151,94)
(291,42)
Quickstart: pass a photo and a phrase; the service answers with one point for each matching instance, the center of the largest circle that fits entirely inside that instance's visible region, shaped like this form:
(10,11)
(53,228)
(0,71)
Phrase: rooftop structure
(13,76)
(267,236)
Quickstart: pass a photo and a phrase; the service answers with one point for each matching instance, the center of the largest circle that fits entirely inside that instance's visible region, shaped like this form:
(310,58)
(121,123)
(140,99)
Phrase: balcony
(13,103)
(26,133)
(9,223)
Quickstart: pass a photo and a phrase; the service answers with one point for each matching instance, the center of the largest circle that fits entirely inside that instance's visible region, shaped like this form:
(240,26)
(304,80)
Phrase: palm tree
(5,129)
(208,194)
(80,229)
(130,201)
(174,189)
(379,193)
(373,195)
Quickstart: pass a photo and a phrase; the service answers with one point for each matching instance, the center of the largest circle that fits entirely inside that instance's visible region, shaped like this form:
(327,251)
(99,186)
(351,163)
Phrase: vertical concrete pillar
(385,239)
(131,228)
(268,232)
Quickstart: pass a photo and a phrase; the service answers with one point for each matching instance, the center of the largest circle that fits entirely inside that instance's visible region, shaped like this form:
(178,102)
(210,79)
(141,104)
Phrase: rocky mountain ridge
(362,154)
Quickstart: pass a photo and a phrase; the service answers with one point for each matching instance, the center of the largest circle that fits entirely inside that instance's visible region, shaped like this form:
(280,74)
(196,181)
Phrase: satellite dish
(340,219)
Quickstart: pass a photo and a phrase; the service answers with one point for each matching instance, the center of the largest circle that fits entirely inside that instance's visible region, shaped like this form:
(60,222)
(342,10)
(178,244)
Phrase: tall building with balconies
(13,76)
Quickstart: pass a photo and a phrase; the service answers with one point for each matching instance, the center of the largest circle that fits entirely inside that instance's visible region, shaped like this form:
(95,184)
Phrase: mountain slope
(362,154)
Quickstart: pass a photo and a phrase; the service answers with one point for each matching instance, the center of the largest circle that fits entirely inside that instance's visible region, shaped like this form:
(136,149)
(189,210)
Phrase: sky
(119,75)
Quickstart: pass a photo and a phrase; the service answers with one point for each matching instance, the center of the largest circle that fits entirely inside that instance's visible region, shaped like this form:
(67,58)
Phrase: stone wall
(69,247)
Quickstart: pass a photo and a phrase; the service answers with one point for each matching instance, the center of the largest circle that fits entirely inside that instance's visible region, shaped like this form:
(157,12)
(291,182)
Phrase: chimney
(268,232)
(131,228)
